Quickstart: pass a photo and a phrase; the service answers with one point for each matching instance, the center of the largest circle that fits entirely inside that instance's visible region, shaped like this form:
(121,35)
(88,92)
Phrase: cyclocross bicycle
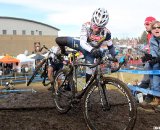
(105,100)
(42,66)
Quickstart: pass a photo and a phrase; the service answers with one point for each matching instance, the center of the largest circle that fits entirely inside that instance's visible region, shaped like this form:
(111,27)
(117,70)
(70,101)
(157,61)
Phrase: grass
(125,77)
(128,77)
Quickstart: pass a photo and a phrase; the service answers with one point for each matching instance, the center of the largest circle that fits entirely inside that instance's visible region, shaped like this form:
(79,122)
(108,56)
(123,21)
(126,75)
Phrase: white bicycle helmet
(100,17)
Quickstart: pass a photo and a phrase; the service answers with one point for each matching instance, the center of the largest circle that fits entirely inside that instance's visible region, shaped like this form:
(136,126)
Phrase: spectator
(154,64)
(145,83)
(55,64)
(1,72)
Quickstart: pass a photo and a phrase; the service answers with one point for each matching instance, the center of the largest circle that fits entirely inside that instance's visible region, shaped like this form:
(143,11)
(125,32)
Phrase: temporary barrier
(136,89)
(141,71)
(19,79)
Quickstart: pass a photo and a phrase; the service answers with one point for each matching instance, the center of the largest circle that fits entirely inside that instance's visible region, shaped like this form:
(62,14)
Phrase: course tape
(135,89)
(157,72)
(18,90)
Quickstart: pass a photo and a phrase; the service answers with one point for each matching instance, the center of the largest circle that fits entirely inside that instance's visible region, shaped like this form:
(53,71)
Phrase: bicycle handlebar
(44,47)
(100,60)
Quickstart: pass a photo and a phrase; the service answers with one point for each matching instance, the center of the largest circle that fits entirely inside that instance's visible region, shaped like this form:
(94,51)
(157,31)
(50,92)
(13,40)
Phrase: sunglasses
(153,28)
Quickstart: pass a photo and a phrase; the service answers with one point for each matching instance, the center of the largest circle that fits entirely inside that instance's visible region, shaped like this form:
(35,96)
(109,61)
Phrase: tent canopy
(9,59)
(23,58)
(30,56)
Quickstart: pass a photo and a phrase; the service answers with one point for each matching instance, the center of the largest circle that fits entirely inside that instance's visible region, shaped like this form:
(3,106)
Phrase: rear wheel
(109,106)
(63,92)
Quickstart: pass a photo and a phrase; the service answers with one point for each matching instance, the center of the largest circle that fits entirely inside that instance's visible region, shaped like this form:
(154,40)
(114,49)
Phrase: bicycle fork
(103,95)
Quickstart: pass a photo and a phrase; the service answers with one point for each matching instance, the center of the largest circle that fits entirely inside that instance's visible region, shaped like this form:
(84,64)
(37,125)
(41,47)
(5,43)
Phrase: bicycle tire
(62,97)
(35,72)
(119,116)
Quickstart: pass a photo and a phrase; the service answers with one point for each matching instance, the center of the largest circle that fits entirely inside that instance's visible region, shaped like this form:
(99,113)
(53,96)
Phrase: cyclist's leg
(51,70)
(69,42)
(89,59)
(62,42)
(50,73)
(75,44)
(58,67)
(50,76)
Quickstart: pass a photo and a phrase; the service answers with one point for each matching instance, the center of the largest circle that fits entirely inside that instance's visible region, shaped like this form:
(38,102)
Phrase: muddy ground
(36,111)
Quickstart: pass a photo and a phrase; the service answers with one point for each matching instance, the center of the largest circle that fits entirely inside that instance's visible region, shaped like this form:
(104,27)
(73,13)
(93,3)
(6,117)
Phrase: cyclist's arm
(83,39)
(108,42)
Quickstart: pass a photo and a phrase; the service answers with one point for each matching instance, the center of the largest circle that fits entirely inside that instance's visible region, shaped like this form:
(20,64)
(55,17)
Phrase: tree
(143,39)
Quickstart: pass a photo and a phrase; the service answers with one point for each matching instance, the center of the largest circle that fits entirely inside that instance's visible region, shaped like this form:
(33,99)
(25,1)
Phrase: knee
(61,41)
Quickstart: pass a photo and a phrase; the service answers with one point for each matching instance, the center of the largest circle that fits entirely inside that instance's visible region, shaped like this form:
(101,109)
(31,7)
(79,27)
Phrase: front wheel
(109,106)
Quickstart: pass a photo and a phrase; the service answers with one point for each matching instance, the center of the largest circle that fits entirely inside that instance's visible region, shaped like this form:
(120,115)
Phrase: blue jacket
(155,46)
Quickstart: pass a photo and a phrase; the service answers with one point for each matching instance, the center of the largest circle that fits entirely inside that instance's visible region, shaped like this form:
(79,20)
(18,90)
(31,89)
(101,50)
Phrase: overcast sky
(126,16)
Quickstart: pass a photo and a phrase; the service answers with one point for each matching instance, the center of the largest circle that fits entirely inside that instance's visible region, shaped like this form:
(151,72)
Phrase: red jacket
(149,35)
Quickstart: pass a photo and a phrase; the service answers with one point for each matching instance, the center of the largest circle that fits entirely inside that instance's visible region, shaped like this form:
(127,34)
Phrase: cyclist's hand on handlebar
(97,53)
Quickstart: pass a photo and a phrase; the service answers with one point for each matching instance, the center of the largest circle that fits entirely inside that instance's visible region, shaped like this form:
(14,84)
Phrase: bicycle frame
(96,76)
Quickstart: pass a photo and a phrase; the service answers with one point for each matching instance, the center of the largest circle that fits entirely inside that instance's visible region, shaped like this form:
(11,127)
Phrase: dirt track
(36,111)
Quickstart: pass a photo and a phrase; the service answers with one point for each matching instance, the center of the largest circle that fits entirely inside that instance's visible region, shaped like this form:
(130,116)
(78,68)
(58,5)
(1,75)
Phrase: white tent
(30,56)
(25,61)
(1,57)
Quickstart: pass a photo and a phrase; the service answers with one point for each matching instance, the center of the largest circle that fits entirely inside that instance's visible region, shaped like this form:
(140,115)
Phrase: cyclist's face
(96,29)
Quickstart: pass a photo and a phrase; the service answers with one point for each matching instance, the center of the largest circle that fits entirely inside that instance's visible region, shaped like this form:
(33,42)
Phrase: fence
(21,78)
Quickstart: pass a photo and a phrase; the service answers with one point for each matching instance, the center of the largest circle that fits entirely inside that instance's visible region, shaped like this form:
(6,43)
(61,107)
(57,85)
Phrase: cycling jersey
(88,39)
(55,57)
